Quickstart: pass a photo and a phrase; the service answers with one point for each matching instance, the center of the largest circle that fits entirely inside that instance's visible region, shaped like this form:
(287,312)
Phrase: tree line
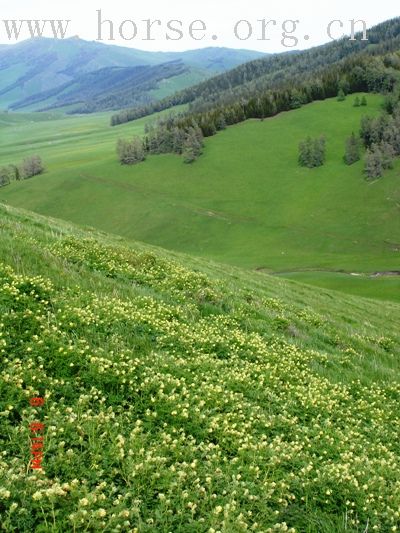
(264,88)
(29,167)
(358,74)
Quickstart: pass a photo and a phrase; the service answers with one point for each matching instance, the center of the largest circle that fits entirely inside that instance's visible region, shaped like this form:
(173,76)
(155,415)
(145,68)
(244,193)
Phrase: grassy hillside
(245,202)
(64,141)
(183,395)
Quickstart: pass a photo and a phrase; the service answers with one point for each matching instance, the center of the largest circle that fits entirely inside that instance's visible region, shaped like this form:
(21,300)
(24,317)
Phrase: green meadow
(245,202)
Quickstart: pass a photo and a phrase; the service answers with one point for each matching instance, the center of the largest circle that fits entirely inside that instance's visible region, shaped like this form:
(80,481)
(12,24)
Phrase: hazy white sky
(220,17)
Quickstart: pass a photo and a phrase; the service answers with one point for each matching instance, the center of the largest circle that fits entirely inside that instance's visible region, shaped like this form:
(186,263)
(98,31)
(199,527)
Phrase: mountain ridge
(35,66)
(252,80)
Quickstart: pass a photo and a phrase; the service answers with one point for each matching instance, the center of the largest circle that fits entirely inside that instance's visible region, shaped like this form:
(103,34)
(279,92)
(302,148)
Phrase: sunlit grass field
(245,202)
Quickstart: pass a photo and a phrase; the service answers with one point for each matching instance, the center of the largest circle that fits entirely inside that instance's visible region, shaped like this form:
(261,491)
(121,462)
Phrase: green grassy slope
(172,85)
(64,141)
(182,395)
(245,202)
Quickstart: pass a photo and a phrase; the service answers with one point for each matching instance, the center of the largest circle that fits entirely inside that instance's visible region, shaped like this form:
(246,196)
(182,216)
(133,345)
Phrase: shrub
(32,166)
(130,152)
(5,177)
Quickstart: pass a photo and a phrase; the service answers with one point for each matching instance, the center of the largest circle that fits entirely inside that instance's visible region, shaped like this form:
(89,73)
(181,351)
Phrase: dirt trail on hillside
(378,274)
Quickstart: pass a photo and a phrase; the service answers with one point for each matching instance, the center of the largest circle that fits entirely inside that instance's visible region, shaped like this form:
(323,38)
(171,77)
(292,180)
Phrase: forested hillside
(253,81)
(277,84)
(336,69)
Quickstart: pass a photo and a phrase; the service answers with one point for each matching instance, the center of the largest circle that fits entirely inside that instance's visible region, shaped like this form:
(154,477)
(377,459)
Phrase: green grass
(188,396)
(245,202)
(170,86)
(63,140)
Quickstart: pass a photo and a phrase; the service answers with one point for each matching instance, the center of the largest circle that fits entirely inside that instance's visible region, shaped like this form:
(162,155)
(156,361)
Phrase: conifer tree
(319,152)
(391,136)
(374,163)
(312,152)
(188,154)
(193,145)
(15,172)
(388,155)
(352,154)
(366,131)
(305,152)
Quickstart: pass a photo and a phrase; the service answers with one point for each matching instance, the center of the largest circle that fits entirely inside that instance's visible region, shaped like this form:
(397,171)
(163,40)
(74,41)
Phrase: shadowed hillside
(42,73)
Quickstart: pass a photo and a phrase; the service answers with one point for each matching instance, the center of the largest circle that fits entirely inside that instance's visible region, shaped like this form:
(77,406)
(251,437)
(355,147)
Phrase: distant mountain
(106,88)
(46,73)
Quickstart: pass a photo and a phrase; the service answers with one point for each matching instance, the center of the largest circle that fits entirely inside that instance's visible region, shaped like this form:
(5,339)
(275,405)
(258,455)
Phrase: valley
(245,202)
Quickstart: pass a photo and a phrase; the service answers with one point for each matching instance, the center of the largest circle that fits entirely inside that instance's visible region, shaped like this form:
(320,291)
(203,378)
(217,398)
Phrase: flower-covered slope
(185,396)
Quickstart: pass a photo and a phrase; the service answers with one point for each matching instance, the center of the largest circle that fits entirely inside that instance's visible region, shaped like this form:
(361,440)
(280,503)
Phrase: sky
(217,27)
